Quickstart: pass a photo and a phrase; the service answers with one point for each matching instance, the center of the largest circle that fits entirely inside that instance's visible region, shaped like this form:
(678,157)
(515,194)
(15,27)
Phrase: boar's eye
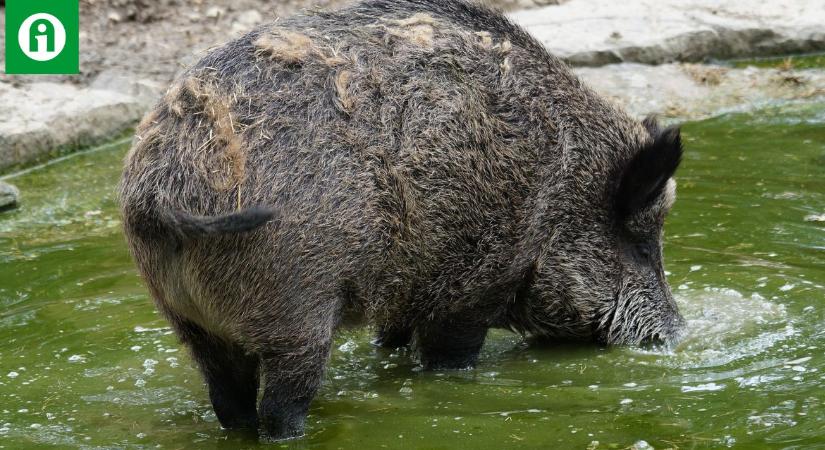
(646,175)
(638,248)
(643,251)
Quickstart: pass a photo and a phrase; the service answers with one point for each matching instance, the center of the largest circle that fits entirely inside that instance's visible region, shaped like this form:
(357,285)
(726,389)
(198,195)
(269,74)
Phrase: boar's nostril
(653,340)
(668,338)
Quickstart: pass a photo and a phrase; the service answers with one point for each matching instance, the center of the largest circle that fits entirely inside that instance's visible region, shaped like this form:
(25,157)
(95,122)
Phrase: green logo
(42,36)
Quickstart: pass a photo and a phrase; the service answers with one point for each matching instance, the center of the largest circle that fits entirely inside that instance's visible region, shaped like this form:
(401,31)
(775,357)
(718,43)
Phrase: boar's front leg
(231,375)
(450,344)
(292,376)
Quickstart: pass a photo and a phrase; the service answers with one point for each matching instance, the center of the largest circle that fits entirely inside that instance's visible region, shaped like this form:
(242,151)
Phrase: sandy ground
(153,39)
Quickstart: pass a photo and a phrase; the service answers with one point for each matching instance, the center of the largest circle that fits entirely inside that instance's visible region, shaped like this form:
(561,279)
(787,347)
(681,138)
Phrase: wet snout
(644,314)
(669,335)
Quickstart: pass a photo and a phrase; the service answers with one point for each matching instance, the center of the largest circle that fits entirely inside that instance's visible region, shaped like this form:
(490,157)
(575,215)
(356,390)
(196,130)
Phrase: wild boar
(424,165)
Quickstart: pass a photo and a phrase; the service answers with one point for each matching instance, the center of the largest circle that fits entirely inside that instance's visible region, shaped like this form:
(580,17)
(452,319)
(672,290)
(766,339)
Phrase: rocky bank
(9,196)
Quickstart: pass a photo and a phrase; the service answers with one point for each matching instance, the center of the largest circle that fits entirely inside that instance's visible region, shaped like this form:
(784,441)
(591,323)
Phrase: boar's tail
(187,225)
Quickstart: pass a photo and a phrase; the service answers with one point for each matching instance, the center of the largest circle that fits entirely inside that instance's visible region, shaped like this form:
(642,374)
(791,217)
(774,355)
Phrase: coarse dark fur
(424,164)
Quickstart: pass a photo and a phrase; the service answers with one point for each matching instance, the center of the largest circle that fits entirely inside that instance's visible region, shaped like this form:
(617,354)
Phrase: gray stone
(695,91)
(144,90)
(9,196)
(599,32)
(245,21)
(215,12)
(39,118)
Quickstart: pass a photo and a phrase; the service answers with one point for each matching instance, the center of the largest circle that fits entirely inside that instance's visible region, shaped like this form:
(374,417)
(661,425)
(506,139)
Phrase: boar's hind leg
(230,373)
(449,344)
(291,380)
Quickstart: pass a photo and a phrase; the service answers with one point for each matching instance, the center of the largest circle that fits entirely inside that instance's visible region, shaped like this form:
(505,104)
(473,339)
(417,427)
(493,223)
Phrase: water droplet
(703,387)
(798,361)
(348,347)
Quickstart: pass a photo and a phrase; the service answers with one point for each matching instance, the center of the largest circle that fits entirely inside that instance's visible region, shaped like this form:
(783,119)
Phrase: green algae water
(810,61)
(85,361)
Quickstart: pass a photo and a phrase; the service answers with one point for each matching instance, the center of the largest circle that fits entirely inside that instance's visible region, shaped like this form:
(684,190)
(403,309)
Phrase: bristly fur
(433,171)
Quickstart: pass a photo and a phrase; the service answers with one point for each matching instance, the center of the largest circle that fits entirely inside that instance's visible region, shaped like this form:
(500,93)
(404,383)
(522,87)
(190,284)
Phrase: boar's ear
(651,124)
(647,173)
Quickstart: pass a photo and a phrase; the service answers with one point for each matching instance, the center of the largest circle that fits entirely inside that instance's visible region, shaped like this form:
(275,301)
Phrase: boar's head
(600,274)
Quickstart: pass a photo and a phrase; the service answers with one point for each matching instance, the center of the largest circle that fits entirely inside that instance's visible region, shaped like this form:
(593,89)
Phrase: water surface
(809,61)
(87,363)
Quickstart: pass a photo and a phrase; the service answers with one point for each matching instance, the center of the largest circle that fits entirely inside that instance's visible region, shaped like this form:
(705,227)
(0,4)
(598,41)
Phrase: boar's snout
(643,318)
(669,335)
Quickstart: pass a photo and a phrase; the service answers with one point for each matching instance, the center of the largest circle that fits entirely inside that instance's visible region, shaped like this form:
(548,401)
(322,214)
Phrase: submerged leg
(291,380)
(230,373)
(450,344)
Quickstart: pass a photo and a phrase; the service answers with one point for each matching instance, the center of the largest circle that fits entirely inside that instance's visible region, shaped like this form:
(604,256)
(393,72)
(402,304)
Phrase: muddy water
(86,362)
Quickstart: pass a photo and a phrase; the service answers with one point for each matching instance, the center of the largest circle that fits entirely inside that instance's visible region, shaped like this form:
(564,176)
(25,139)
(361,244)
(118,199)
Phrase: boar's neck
(591,141)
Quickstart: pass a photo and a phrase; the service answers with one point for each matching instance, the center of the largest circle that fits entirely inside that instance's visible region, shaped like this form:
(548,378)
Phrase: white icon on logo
(42,37)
